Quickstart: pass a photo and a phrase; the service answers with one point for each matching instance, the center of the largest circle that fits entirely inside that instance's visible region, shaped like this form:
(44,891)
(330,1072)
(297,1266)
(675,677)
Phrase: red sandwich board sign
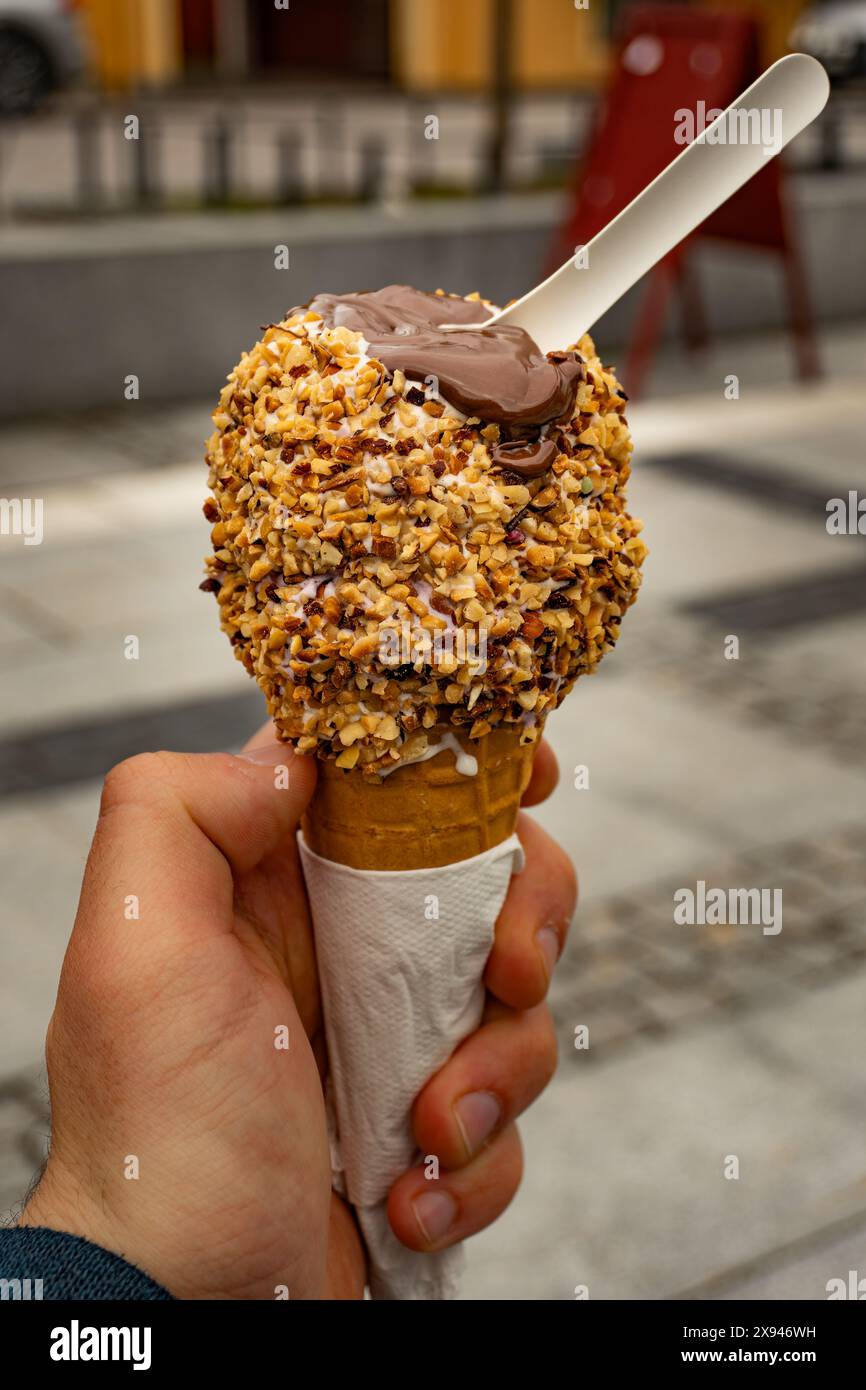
(675,70)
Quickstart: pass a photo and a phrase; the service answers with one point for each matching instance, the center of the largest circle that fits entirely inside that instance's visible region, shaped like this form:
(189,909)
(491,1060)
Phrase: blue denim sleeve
(37,1263)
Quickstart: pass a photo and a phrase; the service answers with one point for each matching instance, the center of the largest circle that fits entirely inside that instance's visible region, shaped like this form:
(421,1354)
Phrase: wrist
(60,1203)
(144,1235)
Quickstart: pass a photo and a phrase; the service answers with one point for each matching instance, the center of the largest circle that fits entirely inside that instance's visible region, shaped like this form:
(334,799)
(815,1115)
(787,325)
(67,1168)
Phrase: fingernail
(435,1213)
(547,941)
(268,754)
(477,1115)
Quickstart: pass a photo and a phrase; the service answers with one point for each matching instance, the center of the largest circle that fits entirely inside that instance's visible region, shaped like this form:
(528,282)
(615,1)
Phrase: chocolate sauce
(496,373)
(528,458)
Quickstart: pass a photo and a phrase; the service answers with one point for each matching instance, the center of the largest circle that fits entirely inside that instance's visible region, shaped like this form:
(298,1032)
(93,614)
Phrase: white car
(834,32)
(41,49)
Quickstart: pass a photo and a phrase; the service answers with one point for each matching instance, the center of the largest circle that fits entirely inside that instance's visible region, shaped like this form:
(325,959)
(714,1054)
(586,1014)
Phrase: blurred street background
(175,173)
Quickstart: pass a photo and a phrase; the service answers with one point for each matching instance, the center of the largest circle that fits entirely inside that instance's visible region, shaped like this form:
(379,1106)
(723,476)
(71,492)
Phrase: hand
(186,1141)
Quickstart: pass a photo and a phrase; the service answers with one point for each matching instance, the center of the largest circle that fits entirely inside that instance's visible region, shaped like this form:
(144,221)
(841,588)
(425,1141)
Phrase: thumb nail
(268,754)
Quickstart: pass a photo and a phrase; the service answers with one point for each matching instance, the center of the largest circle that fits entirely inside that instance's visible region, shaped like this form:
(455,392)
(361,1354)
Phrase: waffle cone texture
(423,815)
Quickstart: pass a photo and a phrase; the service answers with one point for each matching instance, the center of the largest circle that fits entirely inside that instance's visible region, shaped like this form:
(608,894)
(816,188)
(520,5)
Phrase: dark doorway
(197,30)
(322,38)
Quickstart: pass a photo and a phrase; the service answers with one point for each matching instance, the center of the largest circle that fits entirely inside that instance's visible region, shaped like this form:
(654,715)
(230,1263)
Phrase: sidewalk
(705,1042)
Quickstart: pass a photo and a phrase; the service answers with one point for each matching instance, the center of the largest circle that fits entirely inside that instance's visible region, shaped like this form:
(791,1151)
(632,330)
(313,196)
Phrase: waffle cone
(422,815)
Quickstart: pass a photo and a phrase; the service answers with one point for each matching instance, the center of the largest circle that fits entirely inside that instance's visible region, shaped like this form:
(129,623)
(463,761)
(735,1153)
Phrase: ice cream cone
(424,814)
(365,528)
(401,958)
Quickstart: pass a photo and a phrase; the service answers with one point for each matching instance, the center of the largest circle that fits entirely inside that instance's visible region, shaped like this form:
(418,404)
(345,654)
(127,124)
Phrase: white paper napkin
(401,958)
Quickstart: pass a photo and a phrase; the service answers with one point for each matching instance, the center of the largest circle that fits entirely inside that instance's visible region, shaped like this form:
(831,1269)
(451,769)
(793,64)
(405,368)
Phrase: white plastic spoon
(788,96)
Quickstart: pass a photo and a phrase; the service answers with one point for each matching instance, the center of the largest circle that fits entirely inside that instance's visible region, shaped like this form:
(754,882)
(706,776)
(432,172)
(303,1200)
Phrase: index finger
(544,775)
(534,921)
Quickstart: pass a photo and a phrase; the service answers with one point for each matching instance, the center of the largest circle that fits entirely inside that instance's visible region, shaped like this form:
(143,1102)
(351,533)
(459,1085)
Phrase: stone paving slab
(805,1275)
(805,684)
(633,975)
(91,677)
(702,542)
(624,1186)
(128,438)
(41,762)
(669,761)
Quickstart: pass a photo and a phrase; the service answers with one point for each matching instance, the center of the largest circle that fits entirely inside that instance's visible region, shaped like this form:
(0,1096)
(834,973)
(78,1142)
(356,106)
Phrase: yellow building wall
(449,43)
(134,42)
(442,44)
(556,45)
(435,43)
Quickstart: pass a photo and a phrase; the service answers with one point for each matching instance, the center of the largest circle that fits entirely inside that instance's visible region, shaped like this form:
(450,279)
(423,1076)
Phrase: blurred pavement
(705,1042)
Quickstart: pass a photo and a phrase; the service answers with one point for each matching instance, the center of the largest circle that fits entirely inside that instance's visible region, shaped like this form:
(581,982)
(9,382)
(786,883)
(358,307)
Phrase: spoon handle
(771,112)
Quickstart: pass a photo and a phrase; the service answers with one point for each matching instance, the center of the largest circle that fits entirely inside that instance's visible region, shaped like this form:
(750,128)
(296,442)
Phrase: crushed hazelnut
(349,512)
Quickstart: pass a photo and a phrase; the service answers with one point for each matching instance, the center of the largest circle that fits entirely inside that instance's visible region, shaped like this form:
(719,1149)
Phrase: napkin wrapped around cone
(401,987)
